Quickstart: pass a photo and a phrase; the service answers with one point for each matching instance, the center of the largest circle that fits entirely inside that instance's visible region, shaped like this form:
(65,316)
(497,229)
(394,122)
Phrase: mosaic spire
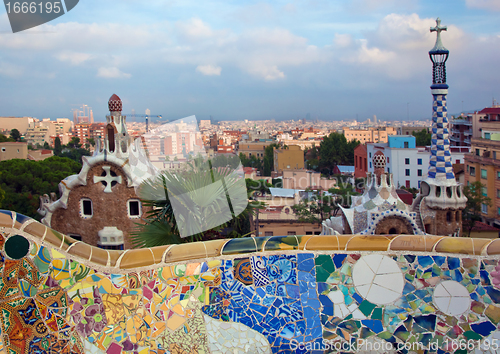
(440,166)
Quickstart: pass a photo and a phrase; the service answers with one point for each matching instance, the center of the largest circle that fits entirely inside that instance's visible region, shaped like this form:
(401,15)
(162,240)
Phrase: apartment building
(483,163)
(290,158)
(408,163)
(13,150)
(374,135)
(250,149)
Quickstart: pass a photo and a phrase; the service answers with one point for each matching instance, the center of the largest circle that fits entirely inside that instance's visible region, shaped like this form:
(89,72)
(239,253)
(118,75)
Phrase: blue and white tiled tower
(440,167)
(441,199)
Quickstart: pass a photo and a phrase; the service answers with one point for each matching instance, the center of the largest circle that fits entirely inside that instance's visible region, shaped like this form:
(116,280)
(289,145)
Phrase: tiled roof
(481,226)
(490,110)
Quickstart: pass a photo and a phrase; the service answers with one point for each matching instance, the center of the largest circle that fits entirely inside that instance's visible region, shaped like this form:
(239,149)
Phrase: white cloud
(373,55)
(112,73)
(194,30)
(74,58)
(342,40)
(269,73)
(209,70)
(493,5)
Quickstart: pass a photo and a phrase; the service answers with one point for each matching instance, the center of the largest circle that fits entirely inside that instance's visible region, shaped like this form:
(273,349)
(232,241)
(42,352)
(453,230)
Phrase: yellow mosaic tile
(369,243)
(318,243)
(461,245)
(99,256)
(136,258)
(493,247)
(414,243)
(158,253)
(35,228)
(54,238)
(214,247)
(186,252)
(81,249)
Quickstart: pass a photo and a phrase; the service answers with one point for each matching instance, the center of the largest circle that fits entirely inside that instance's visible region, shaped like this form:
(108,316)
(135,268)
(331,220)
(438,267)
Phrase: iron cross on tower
(438,29)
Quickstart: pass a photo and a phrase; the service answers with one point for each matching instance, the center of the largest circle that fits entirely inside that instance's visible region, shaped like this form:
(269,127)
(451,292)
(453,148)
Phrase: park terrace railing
(278,294)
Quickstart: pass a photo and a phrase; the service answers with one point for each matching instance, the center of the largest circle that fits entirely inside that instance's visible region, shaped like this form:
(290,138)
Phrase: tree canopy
(423,138)
(15,135)
(24,181)
(335,150)
(475,198)
(252,161)
(269,159)
(320,205)
(4,139)
(161,226)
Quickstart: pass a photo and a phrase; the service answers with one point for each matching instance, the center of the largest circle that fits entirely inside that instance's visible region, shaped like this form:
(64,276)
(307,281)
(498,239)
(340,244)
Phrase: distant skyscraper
(374,119)
(83,115)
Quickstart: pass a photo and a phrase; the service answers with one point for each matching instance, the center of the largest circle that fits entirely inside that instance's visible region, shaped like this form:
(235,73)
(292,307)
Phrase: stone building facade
(99,206)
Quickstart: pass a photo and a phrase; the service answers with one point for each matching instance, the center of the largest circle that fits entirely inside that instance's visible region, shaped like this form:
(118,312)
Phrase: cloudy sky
(234,59)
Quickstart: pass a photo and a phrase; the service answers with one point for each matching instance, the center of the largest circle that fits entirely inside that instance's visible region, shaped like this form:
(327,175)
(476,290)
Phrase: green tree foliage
(57,147)
(91,141)
(4,139)
(253,161)
(423,138)
(15,135)
(75,154)
(24,181)
(160,226)
(74,143)
(335,150)
(46,146)
(414,191)
(472,212)
(320,205)
(259,187)
(311,158)
(269,159)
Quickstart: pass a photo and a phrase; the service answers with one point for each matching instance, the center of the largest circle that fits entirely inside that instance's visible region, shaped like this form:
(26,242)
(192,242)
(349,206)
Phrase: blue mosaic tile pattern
(301,301)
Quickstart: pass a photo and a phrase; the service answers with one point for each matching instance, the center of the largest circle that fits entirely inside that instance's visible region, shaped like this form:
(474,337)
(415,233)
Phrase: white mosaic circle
(451,297)
(378,279)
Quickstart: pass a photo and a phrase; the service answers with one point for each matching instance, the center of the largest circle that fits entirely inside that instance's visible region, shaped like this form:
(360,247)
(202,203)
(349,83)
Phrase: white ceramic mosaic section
(234,338)
(378,279)
(341,310)
(451,297)
(90,349)
(490,344)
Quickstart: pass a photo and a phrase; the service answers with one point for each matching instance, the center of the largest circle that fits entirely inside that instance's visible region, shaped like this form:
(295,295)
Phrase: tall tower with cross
(441,200)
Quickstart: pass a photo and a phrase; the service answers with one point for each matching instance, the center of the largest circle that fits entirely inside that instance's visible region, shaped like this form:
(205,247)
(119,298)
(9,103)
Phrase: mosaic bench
(290,294)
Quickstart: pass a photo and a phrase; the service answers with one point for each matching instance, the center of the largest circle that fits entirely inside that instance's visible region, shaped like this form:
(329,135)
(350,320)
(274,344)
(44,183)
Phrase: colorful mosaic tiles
(288,300)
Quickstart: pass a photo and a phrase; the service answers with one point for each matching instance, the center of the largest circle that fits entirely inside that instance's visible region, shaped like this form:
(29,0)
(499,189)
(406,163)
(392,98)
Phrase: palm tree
(198,202)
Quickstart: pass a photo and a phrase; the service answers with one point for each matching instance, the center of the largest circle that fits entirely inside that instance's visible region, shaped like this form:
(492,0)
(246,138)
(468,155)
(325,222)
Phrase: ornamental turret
(116,140)
(441,199)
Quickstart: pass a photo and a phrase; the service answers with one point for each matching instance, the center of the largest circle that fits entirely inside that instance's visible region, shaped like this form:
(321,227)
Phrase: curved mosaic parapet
(290,294)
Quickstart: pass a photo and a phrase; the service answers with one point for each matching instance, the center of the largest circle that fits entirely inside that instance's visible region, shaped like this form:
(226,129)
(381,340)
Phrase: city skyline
(250,60)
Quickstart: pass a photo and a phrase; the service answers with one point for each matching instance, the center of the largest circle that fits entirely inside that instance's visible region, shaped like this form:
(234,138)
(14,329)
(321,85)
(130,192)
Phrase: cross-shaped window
(108,178)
